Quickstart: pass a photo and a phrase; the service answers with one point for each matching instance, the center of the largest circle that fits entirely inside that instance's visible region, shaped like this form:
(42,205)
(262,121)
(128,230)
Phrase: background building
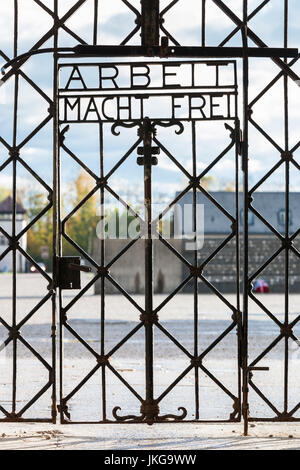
(263,243)
(271,205)
(129,269)
(213,227)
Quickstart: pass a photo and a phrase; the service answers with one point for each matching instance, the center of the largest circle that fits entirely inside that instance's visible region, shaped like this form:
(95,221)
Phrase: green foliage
(41,233)
(4,193)
(80,227)
(120,220)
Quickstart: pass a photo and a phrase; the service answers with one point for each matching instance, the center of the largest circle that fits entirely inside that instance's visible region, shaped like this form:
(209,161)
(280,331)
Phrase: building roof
(270,205)
(6,206)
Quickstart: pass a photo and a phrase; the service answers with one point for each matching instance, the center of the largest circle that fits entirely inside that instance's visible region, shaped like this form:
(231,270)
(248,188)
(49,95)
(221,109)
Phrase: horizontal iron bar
(156,51)
(182,51)
(25,55)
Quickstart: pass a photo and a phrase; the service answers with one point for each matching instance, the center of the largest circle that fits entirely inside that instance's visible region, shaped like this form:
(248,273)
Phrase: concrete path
(141,437)
(129,362)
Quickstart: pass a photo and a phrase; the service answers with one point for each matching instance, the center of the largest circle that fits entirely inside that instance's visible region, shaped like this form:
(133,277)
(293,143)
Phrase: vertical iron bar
(245,389)
(196,352)
(147,139)
(150,23)
(53,346)
(203,31)
(102,263)
(56,200)
(287,215)
(95,31)
(238,269)
(55,208)
(13,230)
(237,241)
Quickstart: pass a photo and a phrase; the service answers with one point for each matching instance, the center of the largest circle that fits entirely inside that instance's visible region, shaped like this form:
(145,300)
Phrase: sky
(115,21)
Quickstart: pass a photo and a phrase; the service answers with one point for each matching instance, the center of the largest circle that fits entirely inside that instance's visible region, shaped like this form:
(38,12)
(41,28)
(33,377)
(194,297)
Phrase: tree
(81,227)
(207,182)
(40,234)
(4,193)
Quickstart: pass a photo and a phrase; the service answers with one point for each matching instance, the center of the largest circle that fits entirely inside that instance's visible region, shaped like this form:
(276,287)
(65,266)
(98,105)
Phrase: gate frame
(150,22)
(146,130)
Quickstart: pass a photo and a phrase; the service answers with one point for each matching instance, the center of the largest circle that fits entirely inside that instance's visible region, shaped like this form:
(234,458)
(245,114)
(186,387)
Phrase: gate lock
(69,269)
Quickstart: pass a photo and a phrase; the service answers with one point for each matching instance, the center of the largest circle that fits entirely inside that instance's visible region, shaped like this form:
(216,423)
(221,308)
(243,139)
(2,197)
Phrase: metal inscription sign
(110,92)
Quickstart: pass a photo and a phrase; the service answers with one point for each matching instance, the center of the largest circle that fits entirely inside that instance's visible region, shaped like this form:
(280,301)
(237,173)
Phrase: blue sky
(115,22)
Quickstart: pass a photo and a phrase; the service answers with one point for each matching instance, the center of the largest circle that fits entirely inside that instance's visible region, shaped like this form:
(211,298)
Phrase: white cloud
(23,183)
(3,94)
(34,22)
(35,152)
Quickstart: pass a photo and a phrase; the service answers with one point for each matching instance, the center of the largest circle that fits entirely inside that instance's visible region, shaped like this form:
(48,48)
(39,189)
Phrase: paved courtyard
(141,437)
(128,361)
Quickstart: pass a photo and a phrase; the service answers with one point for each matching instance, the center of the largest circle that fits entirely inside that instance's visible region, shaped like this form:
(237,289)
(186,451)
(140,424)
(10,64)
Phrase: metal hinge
(239,141)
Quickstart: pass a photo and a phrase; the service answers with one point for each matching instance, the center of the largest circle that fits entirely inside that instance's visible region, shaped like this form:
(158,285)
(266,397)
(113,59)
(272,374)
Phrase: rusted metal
(148,155)
(183,52)
(69,268)
(150,24)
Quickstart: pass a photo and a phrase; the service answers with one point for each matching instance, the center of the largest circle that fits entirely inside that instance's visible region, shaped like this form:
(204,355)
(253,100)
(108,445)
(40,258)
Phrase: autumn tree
(40,234)
(4,193)
(81,227)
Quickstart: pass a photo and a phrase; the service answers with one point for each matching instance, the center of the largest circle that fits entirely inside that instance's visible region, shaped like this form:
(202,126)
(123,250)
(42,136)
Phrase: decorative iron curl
(128,125)
(173,416)
(149,419)
(170,123)
(154,123)
(126,417)
(62,134)
(234,416)
(231,130)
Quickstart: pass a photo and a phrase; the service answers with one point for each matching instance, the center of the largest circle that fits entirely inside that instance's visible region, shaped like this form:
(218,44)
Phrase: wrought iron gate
(145,152)
(151,19)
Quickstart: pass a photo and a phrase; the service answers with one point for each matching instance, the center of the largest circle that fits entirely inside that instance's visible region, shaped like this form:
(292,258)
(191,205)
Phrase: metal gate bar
(287,247)
(149,318)
(245,157)
(14,326)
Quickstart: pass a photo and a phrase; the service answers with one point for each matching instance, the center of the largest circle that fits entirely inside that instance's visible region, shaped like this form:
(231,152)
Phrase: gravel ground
(128,361)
